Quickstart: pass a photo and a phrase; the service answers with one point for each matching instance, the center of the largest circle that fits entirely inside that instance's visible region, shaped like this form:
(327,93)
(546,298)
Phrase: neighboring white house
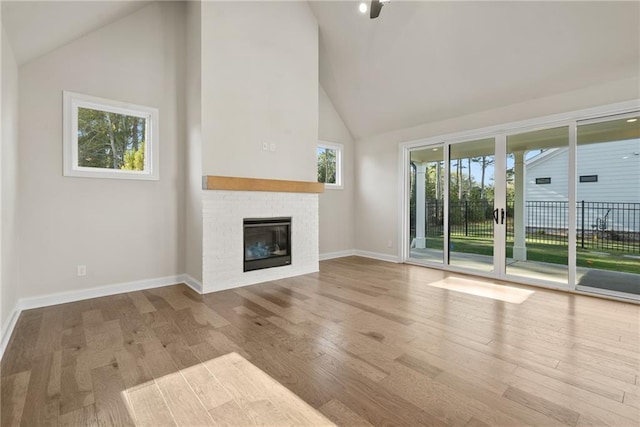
(608,182)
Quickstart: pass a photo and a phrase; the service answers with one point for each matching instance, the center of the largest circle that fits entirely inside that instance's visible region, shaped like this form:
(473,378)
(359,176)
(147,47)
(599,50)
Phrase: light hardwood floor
(363,342)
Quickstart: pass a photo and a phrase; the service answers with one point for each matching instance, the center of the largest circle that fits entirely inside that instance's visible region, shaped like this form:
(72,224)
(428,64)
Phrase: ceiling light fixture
(632,120)
(376,6)
(363,7)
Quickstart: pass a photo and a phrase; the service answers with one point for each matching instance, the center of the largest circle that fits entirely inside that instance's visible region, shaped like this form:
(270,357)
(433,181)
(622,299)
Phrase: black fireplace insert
(267,242)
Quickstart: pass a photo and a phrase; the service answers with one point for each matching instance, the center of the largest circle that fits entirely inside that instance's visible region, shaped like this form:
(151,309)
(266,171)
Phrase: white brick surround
(222,251)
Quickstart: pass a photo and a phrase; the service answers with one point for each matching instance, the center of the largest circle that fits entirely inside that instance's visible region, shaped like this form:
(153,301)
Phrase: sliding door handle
(495,215)
(501,216)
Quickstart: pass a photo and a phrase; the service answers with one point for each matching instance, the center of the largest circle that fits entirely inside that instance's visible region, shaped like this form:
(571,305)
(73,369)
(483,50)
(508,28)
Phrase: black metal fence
(608,225)
(471,218)
(547,222)
(600,225)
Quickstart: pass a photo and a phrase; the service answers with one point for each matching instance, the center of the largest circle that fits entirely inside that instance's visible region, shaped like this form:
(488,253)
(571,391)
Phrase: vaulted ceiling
(425,61)
(37,27)
(420,61)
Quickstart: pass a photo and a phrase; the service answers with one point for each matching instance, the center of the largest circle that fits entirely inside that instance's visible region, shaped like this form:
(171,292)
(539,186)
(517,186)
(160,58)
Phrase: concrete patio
(616,281)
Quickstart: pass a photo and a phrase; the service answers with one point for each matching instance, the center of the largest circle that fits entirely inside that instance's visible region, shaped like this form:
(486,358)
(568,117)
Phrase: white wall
(618,171)
(9,183)
(614,162)
(259,84)
(377,176)
(554,166)
(337,206)
(121,230)
(193,148)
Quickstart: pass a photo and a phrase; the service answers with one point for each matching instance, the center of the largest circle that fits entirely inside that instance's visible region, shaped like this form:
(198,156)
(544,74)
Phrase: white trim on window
(339,149)
(72,101)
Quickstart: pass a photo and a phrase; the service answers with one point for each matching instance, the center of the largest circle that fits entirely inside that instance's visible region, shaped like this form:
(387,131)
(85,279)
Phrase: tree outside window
(329,165)
(109,139)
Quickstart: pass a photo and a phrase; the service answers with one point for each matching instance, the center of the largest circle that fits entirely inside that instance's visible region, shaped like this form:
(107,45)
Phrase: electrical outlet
(265,146)
(82,270)
(272,147)
(389,244)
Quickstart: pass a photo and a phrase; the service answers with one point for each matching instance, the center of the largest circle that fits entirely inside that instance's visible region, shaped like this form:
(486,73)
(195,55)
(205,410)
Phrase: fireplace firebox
(267,242)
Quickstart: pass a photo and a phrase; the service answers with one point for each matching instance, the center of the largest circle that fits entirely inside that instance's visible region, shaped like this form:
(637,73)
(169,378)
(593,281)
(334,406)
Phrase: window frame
(339,149)
(586,179)
(72,101)
(543,181)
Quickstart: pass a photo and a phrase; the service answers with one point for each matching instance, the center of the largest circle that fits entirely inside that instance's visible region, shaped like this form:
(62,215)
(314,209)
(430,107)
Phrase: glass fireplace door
(267,243)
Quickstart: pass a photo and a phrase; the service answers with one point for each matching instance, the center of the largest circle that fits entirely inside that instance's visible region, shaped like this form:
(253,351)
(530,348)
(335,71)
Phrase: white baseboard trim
(357,252)
(378,256)
(192,283)
(8,330)
(102,291)
(82,294)
(338,254)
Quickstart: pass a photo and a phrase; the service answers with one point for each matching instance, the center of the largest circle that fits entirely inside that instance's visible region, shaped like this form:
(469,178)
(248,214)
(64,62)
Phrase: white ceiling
(426,61)
(420,61)
(37,27)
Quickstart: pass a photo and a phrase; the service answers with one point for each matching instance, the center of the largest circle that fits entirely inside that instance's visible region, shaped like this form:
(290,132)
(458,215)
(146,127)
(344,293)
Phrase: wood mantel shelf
(210,182)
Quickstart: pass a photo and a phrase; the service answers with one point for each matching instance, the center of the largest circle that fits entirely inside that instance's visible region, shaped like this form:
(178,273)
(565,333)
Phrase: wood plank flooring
(360,343)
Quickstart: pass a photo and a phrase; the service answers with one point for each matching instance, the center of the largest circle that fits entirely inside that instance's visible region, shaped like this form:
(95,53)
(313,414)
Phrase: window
(543,180)
(588,178)
(109,139)
(330,164)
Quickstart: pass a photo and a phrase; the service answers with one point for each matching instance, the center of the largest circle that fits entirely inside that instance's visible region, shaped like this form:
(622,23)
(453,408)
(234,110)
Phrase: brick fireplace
(230,202)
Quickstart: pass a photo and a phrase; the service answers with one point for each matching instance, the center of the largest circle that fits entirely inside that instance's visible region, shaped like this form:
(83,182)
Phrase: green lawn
(555,254)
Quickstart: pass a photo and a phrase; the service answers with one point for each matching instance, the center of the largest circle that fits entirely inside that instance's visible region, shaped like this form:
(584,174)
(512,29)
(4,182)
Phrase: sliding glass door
(426,204)
(608,206)
(556,206)
(451,205)
(537,205)
(471,204)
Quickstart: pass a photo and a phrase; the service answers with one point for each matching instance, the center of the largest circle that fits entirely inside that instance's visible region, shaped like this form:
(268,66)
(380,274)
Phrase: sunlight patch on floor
(483,289)
(228,390)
